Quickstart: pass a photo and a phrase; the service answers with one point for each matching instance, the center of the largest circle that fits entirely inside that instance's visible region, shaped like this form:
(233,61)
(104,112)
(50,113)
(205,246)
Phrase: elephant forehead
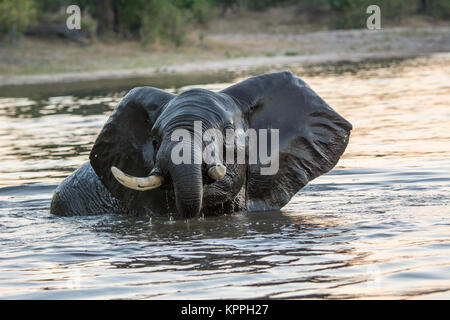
(196,105)
(197,98)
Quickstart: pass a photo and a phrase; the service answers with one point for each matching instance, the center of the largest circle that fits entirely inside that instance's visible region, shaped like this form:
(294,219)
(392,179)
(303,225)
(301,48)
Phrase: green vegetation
(15,16)
(153,21)
(352,13)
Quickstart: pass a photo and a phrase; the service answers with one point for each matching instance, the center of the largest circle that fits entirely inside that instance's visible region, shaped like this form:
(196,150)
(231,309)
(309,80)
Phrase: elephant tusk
(137,183)
(217,172)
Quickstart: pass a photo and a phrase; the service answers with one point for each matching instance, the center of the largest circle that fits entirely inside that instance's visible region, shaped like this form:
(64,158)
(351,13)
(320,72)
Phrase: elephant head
(134,153)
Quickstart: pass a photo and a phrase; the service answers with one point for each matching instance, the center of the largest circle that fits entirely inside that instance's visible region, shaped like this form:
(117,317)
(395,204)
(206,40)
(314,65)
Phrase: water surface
(377,226)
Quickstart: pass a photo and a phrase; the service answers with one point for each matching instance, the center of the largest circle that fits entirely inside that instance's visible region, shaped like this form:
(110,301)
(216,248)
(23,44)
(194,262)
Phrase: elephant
(131,168)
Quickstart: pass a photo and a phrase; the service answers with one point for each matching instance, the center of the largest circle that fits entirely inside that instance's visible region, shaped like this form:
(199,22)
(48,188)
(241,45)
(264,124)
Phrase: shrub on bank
(170,20)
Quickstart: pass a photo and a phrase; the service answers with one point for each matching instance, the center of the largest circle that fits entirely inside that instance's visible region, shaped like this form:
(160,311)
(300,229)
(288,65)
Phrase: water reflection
(376,226)
(397,107)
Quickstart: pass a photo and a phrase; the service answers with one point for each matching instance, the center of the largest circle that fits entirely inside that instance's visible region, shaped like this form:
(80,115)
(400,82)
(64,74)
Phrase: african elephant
(131,168)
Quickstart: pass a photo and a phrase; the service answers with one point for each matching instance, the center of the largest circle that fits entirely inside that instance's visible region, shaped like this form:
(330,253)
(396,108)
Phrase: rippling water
(376,226)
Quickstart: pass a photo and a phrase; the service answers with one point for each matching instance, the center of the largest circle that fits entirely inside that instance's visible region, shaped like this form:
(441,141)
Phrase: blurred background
(119,34)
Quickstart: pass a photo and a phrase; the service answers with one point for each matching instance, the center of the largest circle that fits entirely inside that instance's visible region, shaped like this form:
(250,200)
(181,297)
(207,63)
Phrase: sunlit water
(376,226)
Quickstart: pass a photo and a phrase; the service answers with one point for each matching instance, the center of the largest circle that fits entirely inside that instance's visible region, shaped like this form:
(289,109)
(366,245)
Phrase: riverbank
(35,61)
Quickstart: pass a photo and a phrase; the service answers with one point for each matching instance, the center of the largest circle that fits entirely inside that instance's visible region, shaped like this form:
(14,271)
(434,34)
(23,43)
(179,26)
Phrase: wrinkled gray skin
(137,140)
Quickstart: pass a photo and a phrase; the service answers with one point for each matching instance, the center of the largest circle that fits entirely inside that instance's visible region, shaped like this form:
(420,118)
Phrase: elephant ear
(125,142)
(312,136)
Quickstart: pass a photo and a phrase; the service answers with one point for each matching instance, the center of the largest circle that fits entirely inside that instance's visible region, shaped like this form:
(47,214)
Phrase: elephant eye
(155,144)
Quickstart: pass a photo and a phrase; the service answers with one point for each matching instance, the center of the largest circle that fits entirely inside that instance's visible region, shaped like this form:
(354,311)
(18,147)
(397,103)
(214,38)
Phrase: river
(377,226)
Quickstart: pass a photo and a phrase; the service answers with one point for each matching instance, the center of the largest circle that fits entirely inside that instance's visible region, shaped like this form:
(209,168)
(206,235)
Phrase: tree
(15,16)
(105,17)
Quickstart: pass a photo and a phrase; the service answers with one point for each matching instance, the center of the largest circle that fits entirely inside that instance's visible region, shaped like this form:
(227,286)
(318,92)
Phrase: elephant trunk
(186,176)
(188,187)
